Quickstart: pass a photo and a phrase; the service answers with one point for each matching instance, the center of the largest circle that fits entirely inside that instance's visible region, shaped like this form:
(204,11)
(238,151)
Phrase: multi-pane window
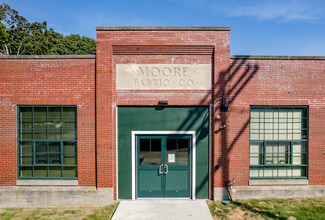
(47,142)
(278,142)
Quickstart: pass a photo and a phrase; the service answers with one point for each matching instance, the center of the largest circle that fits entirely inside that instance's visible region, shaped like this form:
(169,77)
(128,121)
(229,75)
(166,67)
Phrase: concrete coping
(279,182)
(47,56)
(161,28)
(47,183)
(255,57)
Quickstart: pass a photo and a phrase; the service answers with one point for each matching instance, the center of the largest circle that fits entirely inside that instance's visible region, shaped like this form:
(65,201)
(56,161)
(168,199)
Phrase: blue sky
(258,27)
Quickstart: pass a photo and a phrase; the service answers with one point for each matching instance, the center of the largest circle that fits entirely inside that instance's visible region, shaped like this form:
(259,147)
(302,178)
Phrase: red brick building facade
(262,120)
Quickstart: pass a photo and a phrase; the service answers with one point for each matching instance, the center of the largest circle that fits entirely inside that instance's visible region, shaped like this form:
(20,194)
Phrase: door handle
(166,168)
(160,167)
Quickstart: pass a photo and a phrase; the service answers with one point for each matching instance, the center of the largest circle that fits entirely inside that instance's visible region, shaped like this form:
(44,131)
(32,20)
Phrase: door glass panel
(182,154)
(171,151)
(144,156)
(155,154)
(177,152)
(150,152)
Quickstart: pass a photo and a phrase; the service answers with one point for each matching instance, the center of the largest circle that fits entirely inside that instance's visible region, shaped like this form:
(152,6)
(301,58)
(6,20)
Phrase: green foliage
(3,35)
(18,36)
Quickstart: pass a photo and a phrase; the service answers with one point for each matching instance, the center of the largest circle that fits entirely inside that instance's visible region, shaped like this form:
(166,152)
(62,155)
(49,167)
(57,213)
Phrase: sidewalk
(171,209)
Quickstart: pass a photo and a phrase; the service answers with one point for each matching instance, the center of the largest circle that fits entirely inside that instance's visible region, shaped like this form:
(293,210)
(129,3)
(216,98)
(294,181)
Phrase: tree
(15,26)
(3,36)
(18,36)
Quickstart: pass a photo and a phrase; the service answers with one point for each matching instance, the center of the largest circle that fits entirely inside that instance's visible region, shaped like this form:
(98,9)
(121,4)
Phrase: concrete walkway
(170,209)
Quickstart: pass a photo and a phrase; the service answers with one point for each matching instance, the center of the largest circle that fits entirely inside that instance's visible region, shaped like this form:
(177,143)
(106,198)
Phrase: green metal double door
(163,166)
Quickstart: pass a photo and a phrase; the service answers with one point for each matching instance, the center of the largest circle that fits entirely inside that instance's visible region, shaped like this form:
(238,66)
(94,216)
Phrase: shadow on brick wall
(229,84)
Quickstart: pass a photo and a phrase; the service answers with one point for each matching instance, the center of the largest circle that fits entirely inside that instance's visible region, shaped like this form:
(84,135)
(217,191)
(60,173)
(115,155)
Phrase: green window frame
(47,142)
(278,142)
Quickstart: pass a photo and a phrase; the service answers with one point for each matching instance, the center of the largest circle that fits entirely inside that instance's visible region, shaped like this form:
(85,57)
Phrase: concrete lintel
(47,56)
(47,182)
(161,28)
(280,182)
(256,57)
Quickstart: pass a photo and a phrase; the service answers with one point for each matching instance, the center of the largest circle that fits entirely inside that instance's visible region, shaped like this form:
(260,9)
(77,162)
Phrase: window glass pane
(304,134)
(284,154)
(39,112)
(255,125)
(54,158)
(298,171)
(40,171)
(253,172)
(297,113)
(69,123)
(41,153)
(55,171)
(39,133)
(255,113)
(69,134)
(26,134)
(26,120)
(69,112)
(69,147)
(69,171)
(69,159)
(269,153)
(26,123)
(40,123)
(284,172)
(254,136)
(256,153)
(54,123)
(26,158)
(54,153)
(54,134)
(69,153)
(54,112)
(268,172)
(26,171)
(26,153)
(26,147)
(25,112)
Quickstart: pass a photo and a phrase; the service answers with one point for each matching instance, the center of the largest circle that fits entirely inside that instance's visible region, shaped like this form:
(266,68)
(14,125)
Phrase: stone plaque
(163,76)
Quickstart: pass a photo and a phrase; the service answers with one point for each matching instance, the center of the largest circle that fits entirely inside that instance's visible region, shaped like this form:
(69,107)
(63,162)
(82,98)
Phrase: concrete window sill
(47,182)
(284,182)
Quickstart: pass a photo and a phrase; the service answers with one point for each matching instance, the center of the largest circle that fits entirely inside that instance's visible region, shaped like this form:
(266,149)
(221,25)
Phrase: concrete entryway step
(170,209)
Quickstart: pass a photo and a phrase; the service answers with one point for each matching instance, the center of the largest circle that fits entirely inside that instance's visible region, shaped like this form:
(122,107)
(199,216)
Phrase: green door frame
(164,133)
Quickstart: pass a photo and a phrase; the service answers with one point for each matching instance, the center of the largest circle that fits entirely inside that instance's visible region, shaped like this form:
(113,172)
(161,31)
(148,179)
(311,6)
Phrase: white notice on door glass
(171,158)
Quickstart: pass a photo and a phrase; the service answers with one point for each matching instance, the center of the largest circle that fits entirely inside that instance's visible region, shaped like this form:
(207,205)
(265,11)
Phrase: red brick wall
(270,82)
(109,54)
(47,82)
